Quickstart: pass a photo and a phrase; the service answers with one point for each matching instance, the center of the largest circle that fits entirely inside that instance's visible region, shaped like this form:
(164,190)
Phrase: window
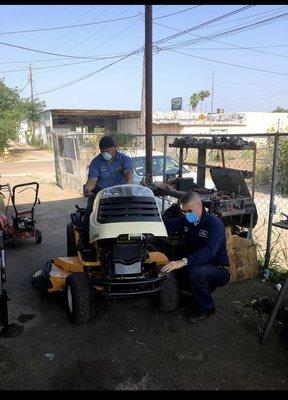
(157,165)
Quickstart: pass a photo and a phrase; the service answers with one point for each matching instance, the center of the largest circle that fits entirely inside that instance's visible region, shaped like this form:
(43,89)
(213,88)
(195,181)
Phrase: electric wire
(184,32)
(178,12)
(70,26)
(88,75)
(230,31)
(203,38)
(233,65)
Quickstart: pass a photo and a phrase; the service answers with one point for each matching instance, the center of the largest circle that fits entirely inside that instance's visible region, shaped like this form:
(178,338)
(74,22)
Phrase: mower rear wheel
(38,236)
(80,298)
(167,299)
(71,242)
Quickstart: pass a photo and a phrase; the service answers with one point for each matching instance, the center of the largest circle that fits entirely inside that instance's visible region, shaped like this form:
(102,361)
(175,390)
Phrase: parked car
(172,168)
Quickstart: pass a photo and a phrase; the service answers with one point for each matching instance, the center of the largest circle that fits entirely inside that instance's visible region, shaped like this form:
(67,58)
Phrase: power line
(117,34)
(63,65)
(94,33)
(250,16)
(222,62)
(256,98)
(70,26)
(203,38)
(63,35)
(44,52)
(73,32)
(96,57)
(88,75)
(21,90)
(231,31)
(184,32)
(177,12)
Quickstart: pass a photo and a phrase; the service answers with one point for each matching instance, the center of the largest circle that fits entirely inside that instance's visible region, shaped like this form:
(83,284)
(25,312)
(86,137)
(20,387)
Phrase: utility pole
(148,91)
(32,99)
(212,98)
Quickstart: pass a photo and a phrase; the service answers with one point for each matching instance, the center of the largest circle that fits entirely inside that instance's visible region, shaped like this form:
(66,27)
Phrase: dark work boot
(198,317)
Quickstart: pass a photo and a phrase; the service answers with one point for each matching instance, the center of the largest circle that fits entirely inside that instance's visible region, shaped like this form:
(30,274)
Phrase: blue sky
(174,74)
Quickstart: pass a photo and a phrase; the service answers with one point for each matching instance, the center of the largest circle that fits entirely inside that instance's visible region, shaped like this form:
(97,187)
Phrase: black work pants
(202,280)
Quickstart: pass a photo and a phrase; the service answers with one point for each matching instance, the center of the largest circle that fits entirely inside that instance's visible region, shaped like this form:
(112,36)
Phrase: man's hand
(89,187)
(173,265)
(86,191)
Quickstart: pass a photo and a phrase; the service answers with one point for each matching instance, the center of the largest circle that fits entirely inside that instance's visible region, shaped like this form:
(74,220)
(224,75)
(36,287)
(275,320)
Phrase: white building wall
(129,125)
(259,122)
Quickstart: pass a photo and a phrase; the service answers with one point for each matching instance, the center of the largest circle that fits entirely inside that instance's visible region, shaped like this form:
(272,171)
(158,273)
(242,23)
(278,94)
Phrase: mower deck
(59,268)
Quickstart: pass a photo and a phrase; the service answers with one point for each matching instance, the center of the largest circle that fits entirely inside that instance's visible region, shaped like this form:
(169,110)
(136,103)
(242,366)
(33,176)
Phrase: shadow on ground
(130,344)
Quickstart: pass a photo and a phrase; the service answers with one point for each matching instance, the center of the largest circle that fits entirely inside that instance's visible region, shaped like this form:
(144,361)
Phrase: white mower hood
(125,210)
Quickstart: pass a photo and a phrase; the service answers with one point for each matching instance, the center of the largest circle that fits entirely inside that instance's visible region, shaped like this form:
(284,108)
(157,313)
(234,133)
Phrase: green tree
(194,100)
(202,95)
(13,110)
(280,109)
(282,166)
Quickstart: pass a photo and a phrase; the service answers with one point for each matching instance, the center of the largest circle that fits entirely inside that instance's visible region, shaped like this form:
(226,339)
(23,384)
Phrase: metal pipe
(265,135)
(272,196)
(57,160)
(253,193)
(275,310)
(148,91)
(164,168)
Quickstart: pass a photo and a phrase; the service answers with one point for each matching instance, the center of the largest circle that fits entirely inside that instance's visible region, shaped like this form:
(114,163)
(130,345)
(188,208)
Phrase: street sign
(176,103)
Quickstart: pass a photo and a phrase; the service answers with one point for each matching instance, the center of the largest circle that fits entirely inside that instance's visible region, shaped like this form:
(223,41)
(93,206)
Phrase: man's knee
(196,273)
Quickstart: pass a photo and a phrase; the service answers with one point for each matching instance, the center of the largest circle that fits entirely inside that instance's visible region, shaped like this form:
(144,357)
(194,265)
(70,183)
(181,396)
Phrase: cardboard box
(242,256)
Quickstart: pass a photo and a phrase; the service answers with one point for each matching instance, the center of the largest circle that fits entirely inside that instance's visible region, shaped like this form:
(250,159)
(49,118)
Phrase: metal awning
(94,113)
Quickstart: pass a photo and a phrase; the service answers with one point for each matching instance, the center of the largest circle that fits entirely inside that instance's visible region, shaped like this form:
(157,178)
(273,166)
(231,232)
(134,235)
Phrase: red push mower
(3,293)
(23,222)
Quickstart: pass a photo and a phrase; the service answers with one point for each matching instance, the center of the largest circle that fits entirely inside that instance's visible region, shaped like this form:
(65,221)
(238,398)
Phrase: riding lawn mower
(125,226)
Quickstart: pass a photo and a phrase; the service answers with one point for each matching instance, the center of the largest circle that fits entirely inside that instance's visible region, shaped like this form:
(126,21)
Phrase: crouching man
(205,262)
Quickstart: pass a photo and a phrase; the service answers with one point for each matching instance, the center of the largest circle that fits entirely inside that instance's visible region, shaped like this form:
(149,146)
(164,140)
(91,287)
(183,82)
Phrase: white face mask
(107,156)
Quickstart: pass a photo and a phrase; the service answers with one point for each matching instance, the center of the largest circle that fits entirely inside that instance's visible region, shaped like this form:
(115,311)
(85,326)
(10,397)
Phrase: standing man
(205,263)
(109,168)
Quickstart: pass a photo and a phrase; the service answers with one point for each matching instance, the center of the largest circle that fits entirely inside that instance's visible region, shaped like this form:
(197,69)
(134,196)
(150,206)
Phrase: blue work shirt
(206,240)
(109,173)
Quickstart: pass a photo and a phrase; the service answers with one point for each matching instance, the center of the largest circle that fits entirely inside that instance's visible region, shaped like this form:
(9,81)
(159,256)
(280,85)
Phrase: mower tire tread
(83,298)
(38,236)
(168,296)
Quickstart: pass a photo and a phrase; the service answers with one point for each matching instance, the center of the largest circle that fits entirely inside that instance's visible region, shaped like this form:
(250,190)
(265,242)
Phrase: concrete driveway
(129,345)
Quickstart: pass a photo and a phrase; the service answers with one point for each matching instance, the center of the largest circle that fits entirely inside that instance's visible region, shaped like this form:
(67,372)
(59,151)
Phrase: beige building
(182,123)
(170,122)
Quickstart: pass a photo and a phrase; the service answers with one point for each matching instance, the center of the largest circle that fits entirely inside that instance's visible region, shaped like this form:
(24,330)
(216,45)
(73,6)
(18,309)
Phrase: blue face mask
(192,217)
(107,156)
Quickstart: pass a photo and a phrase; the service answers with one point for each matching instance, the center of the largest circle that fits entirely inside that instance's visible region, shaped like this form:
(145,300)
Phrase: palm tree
(202,95)
(194,100)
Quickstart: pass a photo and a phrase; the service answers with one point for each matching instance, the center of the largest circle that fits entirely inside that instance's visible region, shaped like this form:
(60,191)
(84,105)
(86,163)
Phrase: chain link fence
(74,152)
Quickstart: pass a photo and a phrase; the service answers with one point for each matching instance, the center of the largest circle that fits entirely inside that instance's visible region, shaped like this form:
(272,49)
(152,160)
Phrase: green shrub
(263,175)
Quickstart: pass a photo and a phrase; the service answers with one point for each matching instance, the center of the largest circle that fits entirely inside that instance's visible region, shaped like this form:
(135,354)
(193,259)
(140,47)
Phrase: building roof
(95,113)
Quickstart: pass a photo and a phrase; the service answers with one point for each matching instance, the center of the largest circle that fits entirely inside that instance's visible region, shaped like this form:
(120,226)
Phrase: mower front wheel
(167,299)
(80,298)
(38,236)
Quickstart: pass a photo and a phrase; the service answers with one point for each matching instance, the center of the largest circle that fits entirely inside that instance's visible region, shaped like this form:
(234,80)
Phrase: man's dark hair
(190,196)
(106,142)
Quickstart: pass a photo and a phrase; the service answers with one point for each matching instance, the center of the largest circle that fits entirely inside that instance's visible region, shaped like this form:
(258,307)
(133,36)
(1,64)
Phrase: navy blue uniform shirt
(206,240)
(110,174)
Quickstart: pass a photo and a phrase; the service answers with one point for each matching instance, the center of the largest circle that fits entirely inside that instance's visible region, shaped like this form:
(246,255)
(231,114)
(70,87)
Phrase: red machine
(23,222)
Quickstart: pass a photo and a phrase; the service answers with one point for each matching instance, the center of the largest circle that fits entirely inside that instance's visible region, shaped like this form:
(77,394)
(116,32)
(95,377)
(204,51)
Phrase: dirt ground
(129,345)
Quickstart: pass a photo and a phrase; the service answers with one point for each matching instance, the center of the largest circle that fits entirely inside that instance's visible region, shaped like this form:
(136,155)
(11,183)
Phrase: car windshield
(157,165)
